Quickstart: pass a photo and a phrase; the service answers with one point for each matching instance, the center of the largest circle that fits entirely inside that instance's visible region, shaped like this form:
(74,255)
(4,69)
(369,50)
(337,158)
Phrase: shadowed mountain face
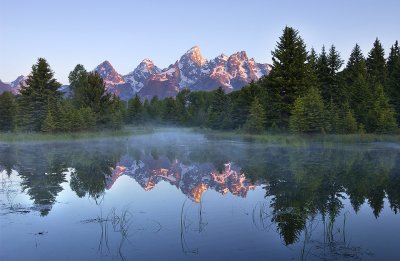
(191,71)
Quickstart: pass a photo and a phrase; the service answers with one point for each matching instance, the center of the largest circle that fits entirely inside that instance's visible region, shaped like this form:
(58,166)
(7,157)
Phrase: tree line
(306,92)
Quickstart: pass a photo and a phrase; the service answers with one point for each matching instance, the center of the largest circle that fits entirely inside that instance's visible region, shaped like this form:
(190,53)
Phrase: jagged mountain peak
(190,71)
(109,74)
(193,55)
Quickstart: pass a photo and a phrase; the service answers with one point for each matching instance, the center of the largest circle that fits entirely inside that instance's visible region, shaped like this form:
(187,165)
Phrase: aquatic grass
(299,140)
(20,137)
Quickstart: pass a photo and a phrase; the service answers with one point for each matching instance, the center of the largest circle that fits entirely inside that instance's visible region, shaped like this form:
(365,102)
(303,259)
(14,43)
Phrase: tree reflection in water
(305,186)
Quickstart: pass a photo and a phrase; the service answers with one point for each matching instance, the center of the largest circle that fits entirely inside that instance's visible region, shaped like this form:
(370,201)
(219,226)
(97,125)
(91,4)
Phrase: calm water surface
(182,196)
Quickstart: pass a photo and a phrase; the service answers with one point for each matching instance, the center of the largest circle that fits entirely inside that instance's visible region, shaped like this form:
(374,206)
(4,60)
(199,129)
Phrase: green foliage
(305,92)
(393,82)
(308,114)
(376,64)
(49,124)
(349,122)
(134,111)
(38,96)
(169,111)
(219,113)
(255,123)
(8,110)
(290,77)
(382,115)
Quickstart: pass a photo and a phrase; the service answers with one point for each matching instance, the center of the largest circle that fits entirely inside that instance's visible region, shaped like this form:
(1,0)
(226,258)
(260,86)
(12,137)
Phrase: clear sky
(125,32)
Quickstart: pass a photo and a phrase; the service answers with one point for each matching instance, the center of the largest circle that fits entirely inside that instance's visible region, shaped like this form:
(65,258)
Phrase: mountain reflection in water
(300,182)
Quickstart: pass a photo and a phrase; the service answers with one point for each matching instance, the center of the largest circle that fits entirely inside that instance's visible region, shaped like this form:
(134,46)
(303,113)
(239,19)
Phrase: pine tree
(393,83)
(361,100)
(49,124)
(356,66)
(333,120)
(78,80)
(169,111)
(242,100)
(154,109)
(289,77)
(308,114)
(376,64)
(182,104)
(39,95)
(135,110)
(255,123)
(8,110)
(382,116)
(219,113)
(323,72)
(336,89)
(349,122)
(89,118)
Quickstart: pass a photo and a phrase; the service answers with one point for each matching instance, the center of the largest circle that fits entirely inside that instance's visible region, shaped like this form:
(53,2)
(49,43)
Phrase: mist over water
(191,197)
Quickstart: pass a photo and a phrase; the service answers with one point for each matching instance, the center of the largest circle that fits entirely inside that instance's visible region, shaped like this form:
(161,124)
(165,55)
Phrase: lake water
(175,195)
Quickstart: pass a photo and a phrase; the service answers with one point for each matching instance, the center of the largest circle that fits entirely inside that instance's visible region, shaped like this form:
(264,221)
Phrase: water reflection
(300,183)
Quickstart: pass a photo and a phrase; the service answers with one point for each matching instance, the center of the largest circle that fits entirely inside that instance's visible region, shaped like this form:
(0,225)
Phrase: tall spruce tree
(255,123)
(356,66)
(382,115)
(323,73)
(135,110)
(393,83)
(376,64)
(308,114)
(336,89)
(8,109)
(219,113)
(78,80)
(39,95)
(289,78)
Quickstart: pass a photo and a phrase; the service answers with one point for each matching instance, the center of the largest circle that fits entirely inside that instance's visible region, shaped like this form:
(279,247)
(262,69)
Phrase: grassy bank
(15,137)
(237,135)
(298,139)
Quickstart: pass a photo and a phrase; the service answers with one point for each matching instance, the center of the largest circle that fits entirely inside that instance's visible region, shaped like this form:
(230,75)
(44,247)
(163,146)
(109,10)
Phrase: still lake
(180,195)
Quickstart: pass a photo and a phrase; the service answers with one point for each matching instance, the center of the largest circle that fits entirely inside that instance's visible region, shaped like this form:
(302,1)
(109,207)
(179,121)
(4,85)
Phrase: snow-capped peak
(109,74)
(17,82)
(194,54)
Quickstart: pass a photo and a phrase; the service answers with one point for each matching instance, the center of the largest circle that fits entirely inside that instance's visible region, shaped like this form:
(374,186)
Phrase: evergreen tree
(393,83)
(361,100)
(219,113)
(349,122)
(8,110)
(356,66)
(170,111)
(39,95)
(135,110)
(333,120)
(255,123)
(376,64)
(324,75)
(154,109)
(89,118)
(289,77)
(308,114)
(78,80)
(242,101)
(382,116)
(182,104)
(49,124)
(336,88)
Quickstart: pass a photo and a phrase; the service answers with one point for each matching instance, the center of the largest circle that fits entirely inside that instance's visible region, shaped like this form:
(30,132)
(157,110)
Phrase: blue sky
(125,32)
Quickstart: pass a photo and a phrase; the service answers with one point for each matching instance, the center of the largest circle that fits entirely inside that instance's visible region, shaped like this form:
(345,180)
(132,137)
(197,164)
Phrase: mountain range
(192,180)
(191,71)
